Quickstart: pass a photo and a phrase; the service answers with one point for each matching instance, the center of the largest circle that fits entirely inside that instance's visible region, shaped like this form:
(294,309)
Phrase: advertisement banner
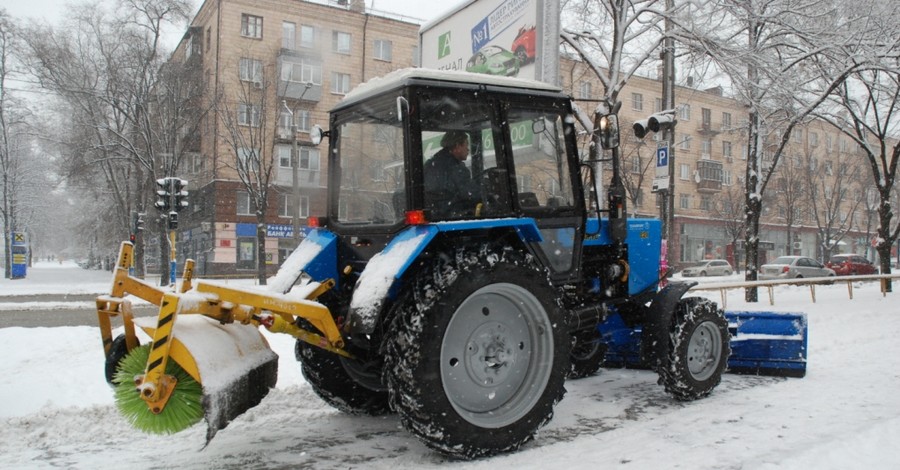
(496,37)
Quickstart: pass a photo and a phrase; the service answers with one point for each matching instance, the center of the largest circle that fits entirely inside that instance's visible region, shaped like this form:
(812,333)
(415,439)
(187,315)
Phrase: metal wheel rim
(496,355)
(704,350)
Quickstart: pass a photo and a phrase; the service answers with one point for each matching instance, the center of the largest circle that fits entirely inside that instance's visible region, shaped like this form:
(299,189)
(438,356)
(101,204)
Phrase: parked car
(712,267)
(793,267)
(494,60)
(850,264)
(523,45)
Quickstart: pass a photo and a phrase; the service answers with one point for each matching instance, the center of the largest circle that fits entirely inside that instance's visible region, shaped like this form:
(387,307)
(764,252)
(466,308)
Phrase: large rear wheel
(477,353)
(699,347)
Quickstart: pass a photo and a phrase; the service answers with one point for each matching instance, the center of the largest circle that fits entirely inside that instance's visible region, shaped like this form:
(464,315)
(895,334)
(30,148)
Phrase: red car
(848,265)
(523,45)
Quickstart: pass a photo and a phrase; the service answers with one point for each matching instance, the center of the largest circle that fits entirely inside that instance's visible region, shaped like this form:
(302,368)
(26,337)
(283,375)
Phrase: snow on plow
(207,359)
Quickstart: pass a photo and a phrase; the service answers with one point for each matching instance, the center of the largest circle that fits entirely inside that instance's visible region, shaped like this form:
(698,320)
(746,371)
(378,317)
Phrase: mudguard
(379,280)
(658,319)
(316,256)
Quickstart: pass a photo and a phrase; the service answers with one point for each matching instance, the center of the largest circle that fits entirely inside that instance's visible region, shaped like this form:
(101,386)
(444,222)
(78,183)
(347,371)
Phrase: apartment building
(710,158)
(269,65)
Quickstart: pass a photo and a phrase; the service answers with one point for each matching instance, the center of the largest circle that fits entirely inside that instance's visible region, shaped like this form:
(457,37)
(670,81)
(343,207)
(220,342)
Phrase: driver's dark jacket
(449,189)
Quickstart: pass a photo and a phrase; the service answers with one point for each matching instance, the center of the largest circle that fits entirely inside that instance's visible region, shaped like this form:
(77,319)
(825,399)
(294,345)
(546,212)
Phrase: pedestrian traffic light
(163,194)
(179,193)
(656,122)
(173,220)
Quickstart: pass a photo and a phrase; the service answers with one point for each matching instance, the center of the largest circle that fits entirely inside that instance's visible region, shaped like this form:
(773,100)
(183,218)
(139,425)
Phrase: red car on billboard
(523,45)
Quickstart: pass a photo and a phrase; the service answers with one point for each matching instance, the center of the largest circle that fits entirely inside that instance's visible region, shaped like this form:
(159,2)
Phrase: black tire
(117,351)
(698,350)
(587,355)
(727,273)
(477,353)
(349,387)
(703,273)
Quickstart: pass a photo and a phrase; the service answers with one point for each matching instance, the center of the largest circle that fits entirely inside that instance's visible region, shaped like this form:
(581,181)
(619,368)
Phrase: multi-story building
(270,65)
(710,158)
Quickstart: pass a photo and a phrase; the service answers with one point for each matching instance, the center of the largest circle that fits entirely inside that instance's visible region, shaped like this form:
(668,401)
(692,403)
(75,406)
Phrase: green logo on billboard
(444,45)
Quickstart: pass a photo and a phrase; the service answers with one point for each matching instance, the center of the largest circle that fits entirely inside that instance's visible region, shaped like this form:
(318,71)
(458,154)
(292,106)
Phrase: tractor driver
(449,189)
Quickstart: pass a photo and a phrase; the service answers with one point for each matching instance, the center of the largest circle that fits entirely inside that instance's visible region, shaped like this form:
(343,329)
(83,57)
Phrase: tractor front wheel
(587,355)
(477,353)
(698,351)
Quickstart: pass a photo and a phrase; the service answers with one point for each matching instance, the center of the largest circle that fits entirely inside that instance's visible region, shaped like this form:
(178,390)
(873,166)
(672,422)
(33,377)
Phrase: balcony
(709,176)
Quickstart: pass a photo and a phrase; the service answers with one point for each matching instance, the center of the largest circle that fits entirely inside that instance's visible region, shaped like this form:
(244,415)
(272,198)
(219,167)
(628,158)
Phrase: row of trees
(787,61)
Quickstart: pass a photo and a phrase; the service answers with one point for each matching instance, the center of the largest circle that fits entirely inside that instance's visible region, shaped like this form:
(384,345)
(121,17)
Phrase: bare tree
(728,209)
(248,135)
(791,195)
(774,54)
(830,186)
(868,114)
(106,67)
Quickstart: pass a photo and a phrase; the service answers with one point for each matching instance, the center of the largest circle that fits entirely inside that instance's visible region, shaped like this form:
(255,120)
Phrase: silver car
(793,267)
(712,267)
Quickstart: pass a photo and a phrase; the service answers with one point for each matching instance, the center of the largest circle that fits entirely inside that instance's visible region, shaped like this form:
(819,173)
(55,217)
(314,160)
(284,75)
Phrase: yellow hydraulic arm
(277,312)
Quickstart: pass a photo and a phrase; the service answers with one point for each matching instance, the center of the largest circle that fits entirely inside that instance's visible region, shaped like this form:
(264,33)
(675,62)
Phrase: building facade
(273,64)
(270,65)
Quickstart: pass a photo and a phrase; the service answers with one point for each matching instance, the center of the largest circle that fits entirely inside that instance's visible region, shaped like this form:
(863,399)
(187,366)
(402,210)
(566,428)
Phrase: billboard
(515,38)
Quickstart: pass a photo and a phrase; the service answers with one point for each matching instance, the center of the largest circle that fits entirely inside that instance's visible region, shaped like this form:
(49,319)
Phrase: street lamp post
(295,177)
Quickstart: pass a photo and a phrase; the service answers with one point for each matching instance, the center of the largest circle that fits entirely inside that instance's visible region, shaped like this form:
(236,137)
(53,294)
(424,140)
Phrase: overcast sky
(51,10)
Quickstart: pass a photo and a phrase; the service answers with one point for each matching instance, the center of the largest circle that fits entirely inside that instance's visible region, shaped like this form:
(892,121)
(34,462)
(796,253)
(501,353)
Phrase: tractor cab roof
(446,78)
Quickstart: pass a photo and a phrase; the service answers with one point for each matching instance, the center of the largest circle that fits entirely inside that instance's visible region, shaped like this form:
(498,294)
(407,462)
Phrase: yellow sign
(19,237)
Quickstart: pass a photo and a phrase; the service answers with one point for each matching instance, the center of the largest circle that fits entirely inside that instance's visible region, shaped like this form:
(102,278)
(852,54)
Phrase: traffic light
(180,194)
(173,220)
(656,122)
(139,223)
(163,194)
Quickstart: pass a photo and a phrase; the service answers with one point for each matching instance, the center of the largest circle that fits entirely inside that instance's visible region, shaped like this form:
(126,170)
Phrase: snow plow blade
(232,363)
(762,343)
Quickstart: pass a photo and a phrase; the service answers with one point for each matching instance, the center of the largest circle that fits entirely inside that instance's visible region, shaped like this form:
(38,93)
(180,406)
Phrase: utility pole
(667,206)
(295,176)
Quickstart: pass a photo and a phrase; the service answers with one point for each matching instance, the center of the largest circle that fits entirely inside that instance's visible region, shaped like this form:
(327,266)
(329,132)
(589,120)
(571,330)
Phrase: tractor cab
(419,146)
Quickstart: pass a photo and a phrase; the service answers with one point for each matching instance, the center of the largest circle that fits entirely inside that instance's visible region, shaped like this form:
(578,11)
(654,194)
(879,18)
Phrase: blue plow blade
(762,343)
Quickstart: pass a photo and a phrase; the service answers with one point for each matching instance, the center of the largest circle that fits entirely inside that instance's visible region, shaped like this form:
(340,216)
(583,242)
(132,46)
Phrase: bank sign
(513,38)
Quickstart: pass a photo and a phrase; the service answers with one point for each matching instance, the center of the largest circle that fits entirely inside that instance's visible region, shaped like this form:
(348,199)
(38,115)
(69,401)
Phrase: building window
(684,201)
(685,171)
(726,177)
(248,158)
(706,115)
(208,38)
(288,35)
(584,90)
(383,50)
(340,42)
(251,70)
(726,149)
(706,148)
(726,121)
(705,203)
(657,105)
(307,36)
(340,83)
(286,207)
(685,141)
(636,164)
(814,139)
(248,115)
(798,136)
(244,204)
(828,145)
(637,101)
(684,112)
(304,71)
(251,26)
(301,120)
(308,159)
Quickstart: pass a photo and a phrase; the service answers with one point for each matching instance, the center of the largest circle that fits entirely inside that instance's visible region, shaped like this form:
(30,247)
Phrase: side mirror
(316,134)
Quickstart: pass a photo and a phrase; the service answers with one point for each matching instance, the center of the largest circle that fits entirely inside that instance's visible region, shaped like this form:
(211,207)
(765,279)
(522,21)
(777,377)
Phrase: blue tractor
(467,297)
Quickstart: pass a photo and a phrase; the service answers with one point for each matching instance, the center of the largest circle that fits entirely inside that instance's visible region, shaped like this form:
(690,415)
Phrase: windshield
(369,159)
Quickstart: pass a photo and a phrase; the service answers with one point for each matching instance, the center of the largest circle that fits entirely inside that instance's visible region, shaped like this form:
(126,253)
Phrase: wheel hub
(489,356)
(704,350)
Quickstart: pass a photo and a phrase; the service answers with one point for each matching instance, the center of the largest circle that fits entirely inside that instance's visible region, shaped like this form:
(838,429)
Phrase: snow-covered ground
(56,411)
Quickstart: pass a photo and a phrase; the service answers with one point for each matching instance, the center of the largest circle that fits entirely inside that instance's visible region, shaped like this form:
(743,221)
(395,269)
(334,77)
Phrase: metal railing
(812,282)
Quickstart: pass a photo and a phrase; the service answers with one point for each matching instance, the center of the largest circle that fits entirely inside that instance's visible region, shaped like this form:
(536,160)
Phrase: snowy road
(56,411)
